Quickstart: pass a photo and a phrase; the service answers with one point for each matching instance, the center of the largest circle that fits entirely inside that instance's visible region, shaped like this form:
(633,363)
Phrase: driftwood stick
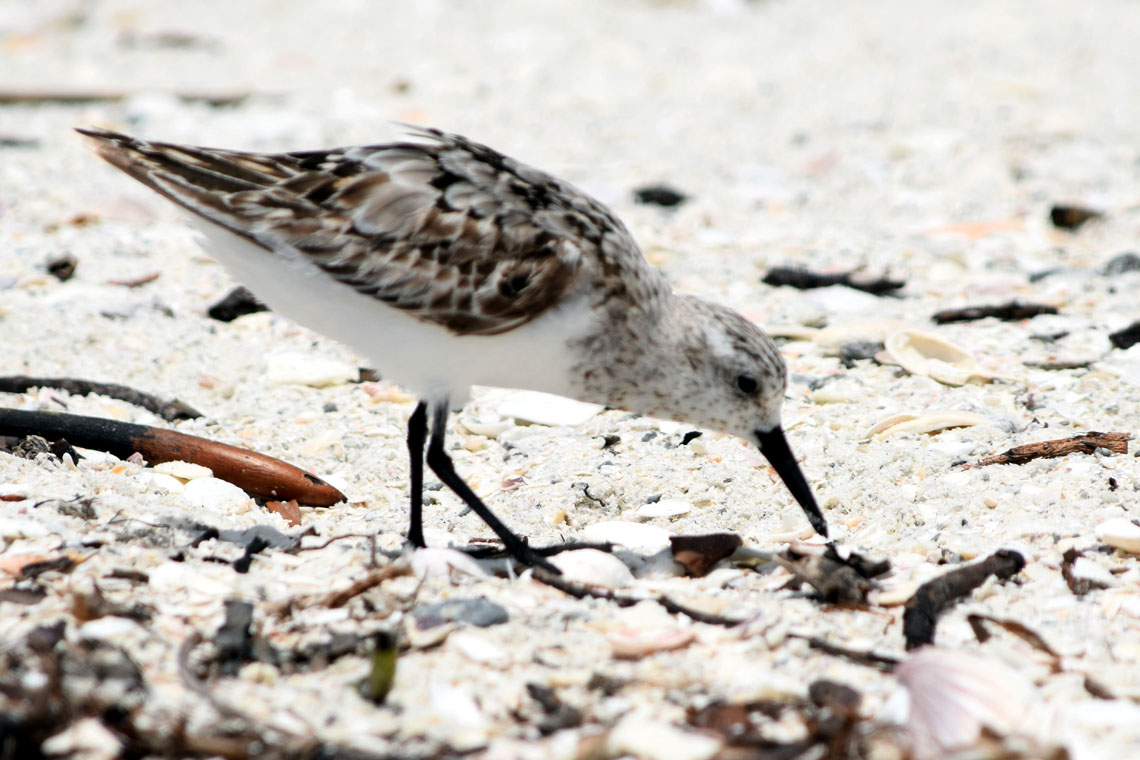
(583,591)
(11,95)
(254,473)
(1087,443)
(1013,311)
(168,410)
(941,593)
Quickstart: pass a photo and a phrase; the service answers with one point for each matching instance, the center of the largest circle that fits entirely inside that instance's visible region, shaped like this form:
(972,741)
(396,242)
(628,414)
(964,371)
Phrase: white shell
(640,734)
(436,562)
(87,738)
(166,482)
(924,423)
(923,353)
(593,567)
(546,409)
(292,367)
(647,539)
(664,508)
(478,648)
(212,493)
(1121,534)
(635,643)
(183,470)
(491,426)
(831,338)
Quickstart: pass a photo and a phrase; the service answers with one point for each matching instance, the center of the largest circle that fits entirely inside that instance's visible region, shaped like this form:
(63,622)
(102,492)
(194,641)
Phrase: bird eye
(747,384)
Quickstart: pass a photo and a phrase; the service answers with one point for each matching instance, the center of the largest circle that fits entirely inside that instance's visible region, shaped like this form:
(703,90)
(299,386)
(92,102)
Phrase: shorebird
(449,264)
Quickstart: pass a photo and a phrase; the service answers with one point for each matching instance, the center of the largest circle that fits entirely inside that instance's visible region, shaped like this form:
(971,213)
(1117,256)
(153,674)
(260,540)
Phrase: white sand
(872,135)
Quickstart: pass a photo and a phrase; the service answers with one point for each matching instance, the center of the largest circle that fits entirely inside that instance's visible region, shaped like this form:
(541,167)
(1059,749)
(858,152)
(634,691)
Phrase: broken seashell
(948,701)
(478,648)
(593,567)
(832,337)
(635,643)
(183,471)
(213,493)
(436,562)
(547,409)
(1120,533)
(924,423)
(296,368)
(641,733)
(664,508)
(923,353)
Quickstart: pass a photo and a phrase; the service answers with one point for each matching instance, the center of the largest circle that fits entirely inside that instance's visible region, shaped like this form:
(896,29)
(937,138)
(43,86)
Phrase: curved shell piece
(923,353)
(889,422)
(925,423)
(832,337)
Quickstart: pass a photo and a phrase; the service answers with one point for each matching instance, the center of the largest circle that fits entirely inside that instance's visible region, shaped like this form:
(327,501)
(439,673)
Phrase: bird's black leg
(417,434)
(441,464)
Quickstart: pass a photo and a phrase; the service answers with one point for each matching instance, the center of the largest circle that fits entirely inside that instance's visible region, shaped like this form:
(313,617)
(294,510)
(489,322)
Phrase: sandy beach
(926,144)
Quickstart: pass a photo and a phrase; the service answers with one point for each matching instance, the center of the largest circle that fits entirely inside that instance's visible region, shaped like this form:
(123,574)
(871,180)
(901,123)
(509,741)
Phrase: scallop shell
(947,700)
(924,423)
(923,353)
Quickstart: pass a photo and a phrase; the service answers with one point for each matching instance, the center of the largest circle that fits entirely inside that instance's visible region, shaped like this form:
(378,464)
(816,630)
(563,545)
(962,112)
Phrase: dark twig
(977,622)
(47,95)
(1008,312)
(940,594)
(883,662)
(170,411)
(580,591)
(495,550)
(802,279)
(372,580)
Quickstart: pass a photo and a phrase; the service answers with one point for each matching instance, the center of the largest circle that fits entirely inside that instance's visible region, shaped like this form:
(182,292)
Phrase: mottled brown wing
(449,230)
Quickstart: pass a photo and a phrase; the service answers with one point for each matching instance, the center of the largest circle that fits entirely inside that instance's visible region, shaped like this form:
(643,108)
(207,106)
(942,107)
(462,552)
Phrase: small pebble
(856,350)
(659,195)
(478,612)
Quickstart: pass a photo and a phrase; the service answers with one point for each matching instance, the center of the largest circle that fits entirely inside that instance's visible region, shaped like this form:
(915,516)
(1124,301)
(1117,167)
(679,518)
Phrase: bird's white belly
(426,359)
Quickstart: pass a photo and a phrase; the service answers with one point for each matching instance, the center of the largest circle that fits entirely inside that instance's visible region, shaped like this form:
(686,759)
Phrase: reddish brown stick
(1117,443)
(256,474)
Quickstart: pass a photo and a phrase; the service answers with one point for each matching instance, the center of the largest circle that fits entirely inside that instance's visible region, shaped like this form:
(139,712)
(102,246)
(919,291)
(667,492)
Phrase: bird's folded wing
(448,230)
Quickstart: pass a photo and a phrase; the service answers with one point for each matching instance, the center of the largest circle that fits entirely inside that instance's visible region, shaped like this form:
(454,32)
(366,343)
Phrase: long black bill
(774,446)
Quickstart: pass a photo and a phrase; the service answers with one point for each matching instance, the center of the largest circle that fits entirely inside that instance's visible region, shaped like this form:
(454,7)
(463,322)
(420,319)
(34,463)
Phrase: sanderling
(451,265)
